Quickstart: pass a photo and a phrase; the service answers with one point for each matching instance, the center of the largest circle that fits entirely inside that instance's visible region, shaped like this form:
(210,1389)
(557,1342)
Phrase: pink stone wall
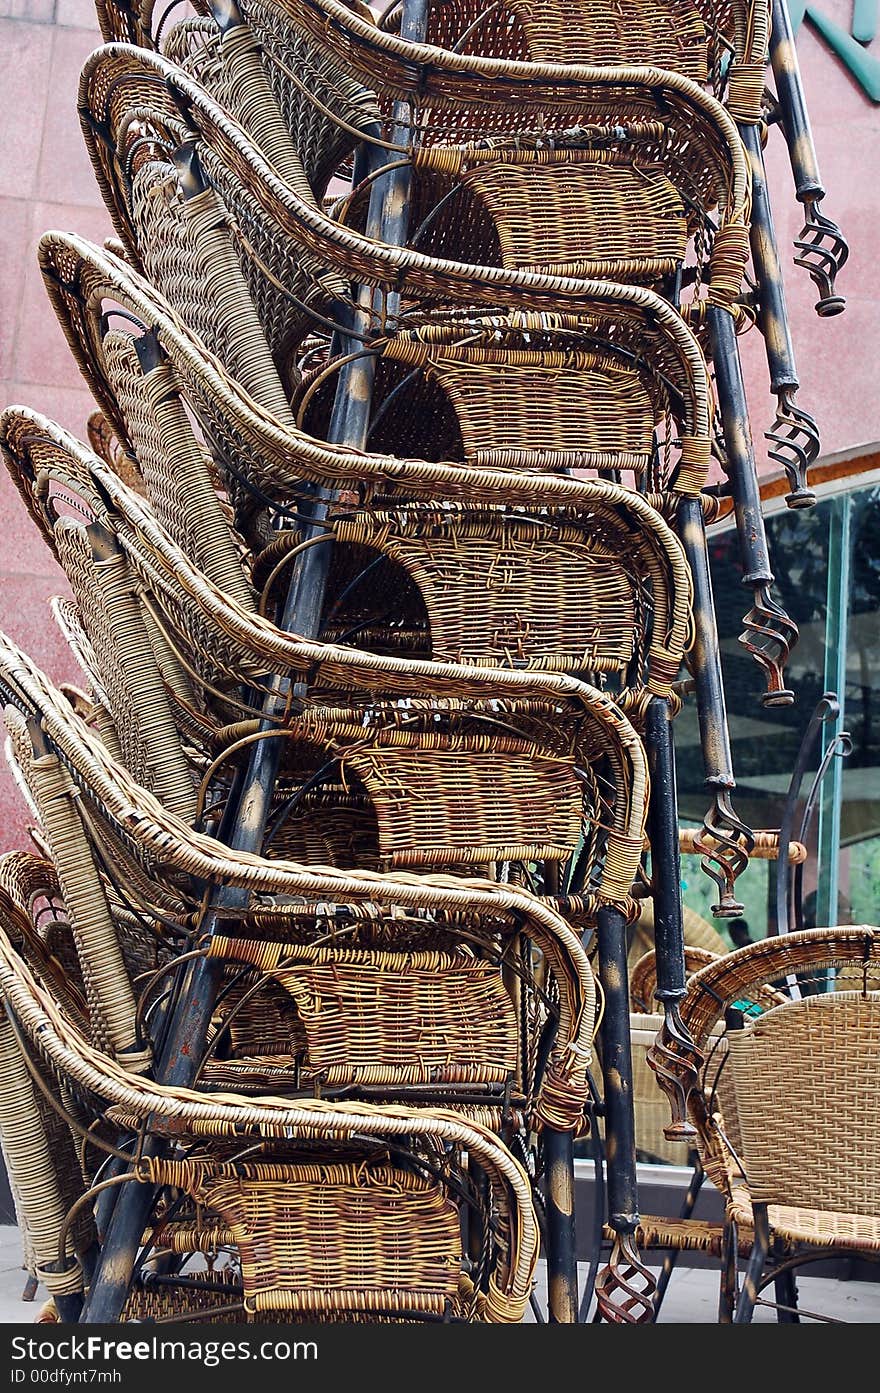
(46,182)
(837,358)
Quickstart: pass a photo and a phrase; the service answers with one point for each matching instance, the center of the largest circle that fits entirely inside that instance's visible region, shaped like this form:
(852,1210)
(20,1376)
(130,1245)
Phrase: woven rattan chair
(453,98)
(298,1223)
(93,277)
(116,374)
(258,231)
(592,97)
(215,157)
(622,496)
(116,85)
(795,970)
(410,821)
(171,848)
(727,43)
(806,1093)
(769,633)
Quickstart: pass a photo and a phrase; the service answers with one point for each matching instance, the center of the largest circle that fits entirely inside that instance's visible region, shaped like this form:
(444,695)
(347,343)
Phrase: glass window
(765,741)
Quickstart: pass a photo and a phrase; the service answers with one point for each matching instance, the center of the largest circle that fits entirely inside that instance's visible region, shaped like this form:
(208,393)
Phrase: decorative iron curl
(823,251)
(678,1063)
(794,440)
(725,843)
(625,1287)
(769,634)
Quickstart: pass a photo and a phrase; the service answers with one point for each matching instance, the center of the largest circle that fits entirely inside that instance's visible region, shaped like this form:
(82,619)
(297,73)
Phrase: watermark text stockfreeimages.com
(96,1349)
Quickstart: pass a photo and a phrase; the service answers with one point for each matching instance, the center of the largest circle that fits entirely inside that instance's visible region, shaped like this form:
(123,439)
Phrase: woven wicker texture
(449,81)
(805,1080)
(383,1018)
(623,748)
(262,450)
(300,1233)
(136,818)
(633,215)
(34,1168)
(670,35)
(564,169)
(177,472)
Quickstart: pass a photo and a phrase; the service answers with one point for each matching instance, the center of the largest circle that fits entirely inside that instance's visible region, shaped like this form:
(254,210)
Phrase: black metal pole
(620,1132)
(562,1304)
(822,249)
(665,855)
(769,634)
(668,910)
(729,840)
(388,218)
(827,709)
(794,437)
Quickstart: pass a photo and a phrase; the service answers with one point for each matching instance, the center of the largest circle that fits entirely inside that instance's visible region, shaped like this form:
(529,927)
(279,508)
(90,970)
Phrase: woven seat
(453,87)
(77,276)
(245,181)
(444,478)
(300,1234)
(393,1018)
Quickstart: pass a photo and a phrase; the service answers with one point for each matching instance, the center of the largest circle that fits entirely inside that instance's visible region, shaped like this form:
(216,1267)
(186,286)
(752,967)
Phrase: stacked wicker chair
(386,558)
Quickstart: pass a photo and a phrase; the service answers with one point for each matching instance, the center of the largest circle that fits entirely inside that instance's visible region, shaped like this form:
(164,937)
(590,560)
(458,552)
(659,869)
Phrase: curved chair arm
(757,965)
(401,68)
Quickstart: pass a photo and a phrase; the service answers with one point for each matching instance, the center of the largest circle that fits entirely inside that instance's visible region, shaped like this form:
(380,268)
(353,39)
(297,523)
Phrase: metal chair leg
(562,1283)
(769,634)
(681,1056)
(625,1288)
(727,839)
(785,1287)
(822,248)
(794,438)
(727,1291)
(745,1305)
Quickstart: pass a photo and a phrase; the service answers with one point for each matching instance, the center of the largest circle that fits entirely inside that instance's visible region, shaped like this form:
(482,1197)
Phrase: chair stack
(412,354)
